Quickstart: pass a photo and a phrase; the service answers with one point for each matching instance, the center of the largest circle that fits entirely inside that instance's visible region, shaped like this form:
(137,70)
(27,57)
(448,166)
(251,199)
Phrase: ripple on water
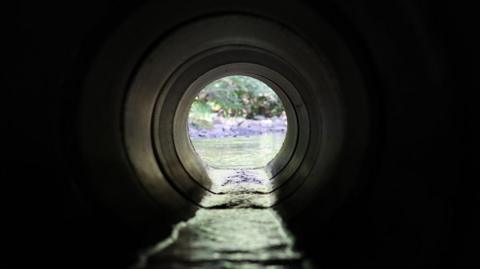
(239,152)
(228,238)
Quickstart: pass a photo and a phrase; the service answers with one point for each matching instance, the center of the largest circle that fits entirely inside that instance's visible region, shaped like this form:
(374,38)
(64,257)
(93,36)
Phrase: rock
(240,127)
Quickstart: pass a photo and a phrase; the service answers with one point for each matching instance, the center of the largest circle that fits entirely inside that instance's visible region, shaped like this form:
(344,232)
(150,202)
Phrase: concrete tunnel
(373,171)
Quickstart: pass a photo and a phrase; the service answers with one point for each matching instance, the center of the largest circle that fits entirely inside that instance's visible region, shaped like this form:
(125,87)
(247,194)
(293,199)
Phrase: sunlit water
(227,238)
(239,152)
(238,231)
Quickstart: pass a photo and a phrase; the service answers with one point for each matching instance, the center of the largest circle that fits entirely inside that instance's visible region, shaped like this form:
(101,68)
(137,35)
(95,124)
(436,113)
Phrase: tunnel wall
(406,211)
(416,208)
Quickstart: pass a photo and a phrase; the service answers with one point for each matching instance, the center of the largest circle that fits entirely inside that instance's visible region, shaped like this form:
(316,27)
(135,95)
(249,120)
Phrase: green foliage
(201,115)
(236,96)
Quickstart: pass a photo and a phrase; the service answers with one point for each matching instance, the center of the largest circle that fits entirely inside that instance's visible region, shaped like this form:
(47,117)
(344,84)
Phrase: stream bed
(237,230)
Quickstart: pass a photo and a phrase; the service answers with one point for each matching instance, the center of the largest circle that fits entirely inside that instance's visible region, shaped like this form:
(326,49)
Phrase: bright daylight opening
(237,126)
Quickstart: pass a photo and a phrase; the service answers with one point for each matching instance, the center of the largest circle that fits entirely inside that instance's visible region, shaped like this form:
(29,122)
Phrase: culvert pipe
(412,205)
(138,91)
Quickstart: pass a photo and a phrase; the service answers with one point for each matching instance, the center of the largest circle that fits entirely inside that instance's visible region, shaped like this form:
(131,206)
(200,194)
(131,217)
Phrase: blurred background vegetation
(234,97)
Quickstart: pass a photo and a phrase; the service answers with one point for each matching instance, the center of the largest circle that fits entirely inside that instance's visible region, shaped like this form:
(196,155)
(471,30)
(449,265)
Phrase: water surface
(239,152)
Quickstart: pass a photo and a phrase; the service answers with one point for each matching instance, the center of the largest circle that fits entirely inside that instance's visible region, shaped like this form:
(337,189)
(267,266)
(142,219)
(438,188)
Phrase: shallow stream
(239,152)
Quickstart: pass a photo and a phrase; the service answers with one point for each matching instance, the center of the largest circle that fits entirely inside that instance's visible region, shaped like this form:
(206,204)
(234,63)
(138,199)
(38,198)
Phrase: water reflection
(239,152)
(228,238)
(239,232)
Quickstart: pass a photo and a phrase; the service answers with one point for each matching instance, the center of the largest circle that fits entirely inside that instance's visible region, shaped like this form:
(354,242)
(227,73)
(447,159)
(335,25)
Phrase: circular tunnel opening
(237,126)
(247,147)
(141,144)
(237,122)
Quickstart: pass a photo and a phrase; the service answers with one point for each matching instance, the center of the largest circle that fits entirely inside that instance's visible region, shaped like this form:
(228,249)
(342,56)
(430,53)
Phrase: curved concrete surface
(152,104)
(374,170)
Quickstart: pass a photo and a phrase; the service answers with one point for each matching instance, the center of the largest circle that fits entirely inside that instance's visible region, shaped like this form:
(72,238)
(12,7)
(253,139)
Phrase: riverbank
(239,127)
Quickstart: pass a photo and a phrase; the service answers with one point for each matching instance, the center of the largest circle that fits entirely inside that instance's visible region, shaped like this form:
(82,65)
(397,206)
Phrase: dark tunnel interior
(376,169)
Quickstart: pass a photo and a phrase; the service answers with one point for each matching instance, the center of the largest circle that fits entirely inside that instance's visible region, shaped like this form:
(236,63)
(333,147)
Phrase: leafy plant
(236,96)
